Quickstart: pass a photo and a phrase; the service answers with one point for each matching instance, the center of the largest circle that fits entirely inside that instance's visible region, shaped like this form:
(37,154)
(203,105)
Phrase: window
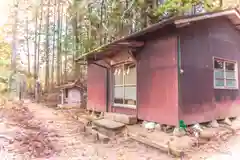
(125,85)
(225,74)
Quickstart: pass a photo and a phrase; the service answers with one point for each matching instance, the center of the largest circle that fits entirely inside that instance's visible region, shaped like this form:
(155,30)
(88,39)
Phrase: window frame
(224,72)
(122,66)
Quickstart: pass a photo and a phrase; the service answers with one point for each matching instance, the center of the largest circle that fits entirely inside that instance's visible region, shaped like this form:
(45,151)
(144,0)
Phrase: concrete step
(68,106)
(122,118)
(167,148)
(108,127)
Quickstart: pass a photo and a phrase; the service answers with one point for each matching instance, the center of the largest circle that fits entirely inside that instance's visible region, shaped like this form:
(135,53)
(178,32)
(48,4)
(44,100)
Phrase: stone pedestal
(179,132)
(214,124)
(122,118)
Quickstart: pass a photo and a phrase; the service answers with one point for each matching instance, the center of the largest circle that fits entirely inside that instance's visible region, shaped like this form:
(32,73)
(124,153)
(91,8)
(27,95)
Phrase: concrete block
(227,121)
(236,125)
(122,118)
(208,134)
(101,115)
(108,124)
(179,132)
(98,136)
(158,127)
(214,124)
(168,148)
(108,127)
(238,118)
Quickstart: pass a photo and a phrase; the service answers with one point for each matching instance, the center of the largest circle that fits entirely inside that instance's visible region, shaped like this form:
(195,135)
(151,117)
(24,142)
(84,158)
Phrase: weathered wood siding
(96,83)
(201,41)
(157,81)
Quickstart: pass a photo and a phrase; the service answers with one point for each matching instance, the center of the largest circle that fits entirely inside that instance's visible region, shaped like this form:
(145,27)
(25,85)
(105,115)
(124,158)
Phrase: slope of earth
(33,131)
(229,150)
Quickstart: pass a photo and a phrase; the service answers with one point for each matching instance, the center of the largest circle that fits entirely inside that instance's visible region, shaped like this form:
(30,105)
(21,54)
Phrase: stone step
(122,118)
(108,127)
(97,135)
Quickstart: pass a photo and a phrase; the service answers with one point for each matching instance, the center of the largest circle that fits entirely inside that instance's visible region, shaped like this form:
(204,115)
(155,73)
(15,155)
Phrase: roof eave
(132,36)
(177,21)
(207,16)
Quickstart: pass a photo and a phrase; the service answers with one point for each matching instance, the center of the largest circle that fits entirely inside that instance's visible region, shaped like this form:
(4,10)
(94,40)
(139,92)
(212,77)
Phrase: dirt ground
(229,150)
(44,133)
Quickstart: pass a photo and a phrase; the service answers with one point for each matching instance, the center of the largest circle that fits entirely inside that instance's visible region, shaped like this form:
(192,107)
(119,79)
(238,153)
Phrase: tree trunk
(35,53)
(61,46)
(14,30)
(53,49)
(35,45)
(47,49)
(28,52)
(58,43)
(39,39)
(101,22)
(66,48)
(76,42)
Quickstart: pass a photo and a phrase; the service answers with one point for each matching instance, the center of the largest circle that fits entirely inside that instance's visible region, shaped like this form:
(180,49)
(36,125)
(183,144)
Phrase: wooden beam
(182,25)
(132,43)
(121,62)
(132,56)
(107,62)
(100,65)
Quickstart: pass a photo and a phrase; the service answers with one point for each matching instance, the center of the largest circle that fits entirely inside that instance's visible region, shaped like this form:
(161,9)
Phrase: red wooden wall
(96,83)
(200,102)
(157,81)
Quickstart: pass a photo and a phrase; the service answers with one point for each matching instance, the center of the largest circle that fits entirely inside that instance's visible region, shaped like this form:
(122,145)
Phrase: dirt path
(75,146)
(71,144)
